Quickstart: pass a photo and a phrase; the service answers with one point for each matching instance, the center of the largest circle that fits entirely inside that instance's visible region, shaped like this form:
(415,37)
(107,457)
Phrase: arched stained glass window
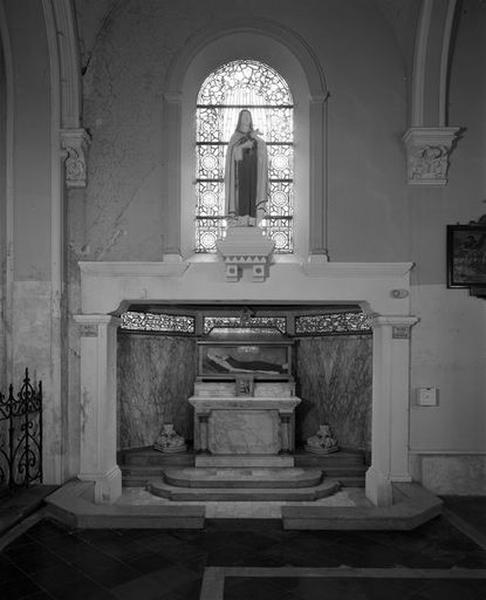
(256,86)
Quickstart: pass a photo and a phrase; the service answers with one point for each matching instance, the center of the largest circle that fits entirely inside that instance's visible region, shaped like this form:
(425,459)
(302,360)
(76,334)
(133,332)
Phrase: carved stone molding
(428,151)
(75,144)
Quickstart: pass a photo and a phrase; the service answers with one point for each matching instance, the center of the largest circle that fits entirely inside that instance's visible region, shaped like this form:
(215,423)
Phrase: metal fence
(21,435)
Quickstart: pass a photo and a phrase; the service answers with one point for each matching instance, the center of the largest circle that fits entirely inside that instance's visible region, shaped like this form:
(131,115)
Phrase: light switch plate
(427,396)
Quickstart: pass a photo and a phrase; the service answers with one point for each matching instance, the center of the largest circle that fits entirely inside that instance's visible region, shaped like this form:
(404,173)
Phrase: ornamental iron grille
(259,88)
(175,324)
(255,325)
(344,323)
(336,323)
(21,435)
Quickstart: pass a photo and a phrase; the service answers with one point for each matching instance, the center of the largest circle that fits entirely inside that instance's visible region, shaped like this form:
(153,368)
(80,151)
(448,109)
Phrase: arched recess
(289,54)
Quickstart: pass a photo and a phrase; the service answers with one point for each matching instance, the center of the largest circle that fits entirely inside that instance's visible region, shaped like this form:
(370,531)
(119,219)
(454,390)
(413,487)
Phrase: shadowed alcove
(157,365)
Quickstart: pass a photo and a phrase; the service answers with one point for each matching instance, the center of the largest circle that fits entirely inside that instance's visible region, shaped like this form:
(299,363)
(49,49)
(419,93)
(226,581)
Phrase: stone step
(353,471)
(303,459)
(243,477)
(351,481)
(171,492)
(134,476)
(148,456)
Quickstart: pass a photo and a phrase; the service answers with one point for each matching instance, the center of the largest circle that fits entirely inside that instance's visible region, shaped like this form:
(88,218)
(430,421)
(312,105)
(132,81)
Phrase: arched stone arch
(294,42)
(291,56)
(430,140)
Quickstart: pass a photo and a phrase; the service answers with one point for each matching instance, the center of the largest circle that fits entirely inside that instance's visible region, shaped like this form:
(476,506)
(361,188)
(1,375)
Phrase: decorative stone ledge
(245,246)
(75,144)
(428,151)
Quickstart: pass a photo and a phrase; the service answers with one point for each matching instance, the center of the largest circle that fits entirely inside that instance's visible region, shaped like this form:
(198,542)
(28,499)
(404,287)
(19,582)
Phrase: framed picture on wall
(466,255)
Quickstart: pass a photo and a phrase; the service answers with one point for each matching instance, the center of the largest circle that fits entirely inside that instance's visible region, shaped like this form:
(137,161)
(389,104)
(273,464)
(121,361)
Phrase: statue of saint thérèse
(246,173)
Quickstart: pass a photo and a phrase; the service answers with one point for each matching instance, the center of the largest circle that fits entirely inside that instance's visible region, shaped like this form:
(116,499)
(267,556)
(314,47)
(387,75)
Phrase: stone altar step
(148,456)
(138,465)
(242,477)
(165,490)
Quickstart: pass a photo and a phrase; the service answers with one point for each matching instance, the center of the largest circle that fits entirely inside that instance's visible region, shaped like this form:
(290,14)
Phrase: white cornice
(133,268)
(367,270)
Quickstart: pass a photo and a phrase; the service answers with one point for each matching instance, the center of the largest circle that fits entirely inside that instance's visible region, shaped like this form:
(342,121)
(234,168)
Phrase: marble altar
(231,430)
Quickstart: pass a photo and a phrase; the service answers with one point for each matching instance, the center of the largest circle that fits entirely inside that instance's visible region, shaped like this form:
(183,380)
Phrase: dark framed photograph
(466,255)
(230,360)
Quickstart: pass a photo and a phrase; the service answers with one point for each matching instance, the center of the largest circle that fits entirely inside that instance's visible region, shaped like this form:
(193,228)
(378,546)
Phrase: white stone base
(245,247)
(378,488)
(108,486)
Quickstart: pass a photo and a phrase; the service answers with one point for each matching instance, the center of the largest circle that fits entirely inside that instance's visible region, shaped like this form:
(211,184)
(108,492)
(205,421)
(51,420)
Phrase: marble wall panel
(453,474)
(334,377)
(155,377)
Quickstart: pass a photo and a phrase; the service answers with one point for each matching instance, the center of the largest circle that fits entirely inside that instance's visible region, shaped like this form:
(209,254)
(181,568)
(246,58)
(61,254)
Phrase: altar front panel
(244,432)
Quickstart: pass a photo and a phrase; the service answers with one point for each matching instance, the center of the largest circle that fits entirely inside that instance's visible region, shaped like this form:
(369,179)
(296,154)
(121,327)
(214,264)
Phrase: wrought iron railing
(21,435)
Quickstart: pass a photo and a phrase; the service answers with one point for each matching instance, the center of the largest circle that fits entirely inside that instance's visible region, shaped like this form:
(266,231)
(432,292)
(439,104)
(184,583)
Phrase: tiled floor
(50,561)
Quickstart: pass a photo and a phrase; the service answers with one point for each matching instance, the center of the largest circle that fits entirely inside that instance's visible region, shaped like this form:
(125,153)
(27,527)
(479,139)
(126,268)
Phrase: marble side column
(390,409)
(203,419)
(98,405)
(285,436)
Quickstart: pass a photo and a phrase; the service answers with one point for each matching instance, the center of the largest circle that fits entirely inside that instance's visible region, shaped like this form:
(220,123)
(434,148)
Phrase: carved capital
(428,150)
(75,144)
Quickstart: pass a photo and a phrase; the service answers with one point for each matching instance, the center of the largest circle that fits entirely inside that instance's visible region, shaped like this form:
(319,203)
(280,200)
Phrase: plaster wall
(449,342)
(124,84)
(3,214)
(29,341)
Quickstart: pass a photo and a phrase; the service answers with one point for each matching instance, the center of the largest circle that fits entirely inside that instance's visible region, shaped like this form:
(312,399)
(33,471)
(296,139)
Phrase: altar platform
(74,505)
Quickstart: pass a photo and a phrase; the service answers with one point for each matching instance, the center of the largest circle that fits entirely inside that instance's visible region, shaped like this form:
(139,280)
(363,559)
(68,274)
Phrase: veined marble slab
(243,425)
(244,432)
(335,377)
(281,404)
(263,389)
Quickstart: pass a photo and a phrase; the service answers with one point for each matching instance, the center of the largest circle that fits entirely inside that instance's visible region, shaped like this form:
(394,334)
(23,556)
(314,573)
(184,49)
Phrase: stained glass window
(256,86)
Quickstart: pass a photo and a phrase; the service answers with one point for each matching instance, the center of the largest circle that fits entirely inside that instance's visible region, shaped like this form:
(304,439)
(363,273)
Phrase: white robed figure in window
(246,173)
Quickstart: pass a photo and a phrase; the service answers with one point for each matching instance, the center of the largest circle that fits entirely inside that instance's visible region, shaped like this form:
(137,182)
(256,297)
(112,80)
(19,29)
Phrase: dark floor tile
(111,575)
(47,530)
(256,588)
(18,588)
(82,588)
(57,575)
(190,590)
(447,589)
(148,562)
(470,508)
(34,557)
(38,596)
(8,571)
(145,587)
